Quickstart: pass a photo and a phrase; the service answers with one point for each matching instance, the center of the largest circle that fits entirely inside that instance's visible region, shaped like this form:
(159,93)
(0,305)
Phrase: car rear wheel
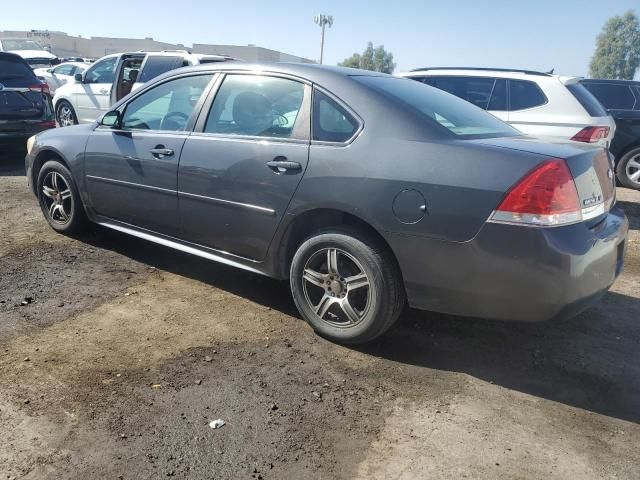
(65,114)
(346,286)
(59,198)
(628,169)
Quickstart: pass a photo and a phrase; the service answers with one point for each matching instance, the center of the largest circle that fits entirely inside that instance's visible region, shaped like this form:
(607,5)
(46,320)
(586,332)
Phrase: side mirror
(110,119)
(49,70)
(78,77)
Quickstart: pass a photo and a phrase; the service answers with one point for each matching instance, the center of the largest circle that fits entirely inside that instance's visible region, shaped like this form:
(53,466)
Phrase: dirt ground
(115,354)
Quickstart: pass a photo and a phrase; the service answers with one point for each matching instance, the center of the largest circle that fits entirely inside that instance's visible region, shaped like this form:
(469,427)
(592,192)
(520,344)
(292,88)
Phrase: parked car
(362,188)
(536,103)
(33,53)
(61,74)
(113,77)
(621,98)
(25,102)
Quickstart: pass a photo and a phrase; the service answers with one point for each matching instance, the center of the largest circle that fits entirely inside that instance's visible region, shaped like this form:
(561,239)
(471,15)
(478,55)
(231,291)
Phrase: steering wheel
(178,119)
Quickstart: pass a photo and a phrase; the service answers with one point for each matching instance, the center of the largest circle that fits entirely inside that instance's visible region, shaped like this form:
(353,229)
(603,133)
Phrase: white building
(64,45)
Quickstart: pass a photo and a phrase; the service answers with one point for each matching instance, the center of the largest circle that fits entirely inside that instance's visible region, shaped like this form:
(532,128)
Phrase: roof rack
(483,69)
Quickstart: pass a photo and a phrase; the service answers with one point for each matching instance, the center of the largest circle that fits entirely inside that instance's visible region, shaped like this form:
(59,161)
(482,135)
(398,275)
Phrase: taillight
(40,87)
(546,196)
(591,134)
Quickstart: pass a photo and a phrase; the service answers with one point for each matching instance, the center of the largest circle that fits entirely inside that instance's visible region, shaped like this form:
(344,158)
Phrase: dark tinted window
(588,101)
(498,100)
(15,73)
(612,96)
(256,105)
(476,90)
(445,112)
(331,122)
(525,94)
(157,65)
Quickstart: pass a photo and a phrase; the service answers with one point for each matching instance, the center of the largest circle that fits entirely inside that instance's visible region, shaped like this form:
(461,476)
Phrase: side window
(166,107)
(157,65)
(256,105)
(524,94)
(611,96)
(331,122)
(64,70)
(498,102)
(102,71)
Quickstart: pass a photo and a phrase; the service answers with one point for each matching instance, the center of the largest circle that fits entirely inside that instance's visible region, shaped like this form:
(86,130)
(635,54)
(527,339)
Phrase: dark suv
(25,101)
(621,98)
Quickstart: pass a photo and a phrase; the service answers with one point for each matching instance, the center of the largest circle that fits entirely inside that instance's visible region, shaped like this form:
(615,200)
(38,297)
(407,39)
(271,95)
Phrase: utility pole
(322,20)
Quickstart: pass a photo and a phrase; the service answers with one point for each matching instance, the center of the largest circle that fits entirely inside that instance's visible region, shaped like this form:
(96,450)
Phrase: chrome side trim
(131,184)
(179,246)
(229,203)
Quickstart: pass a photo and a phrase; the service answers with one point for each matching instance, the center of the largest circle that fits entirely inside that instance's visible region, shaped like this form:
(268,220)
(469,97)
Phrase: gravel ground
(124,351)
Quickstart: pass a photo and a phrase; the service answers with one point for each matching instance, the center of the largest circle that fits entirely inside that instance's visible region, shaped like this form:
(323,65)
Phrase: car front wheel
(347,286)
(65,114)
(628,169)
(59,198)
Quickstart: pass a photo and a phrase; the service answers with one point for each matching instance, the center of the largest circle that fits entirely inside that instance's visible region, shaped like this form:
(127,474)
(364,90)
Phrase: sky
(537,35)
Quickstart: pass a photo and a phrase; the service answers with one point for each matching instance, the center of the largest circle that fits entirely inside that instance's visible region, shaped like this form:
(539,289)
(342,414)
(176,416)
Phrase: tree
(617,52)
(375,59)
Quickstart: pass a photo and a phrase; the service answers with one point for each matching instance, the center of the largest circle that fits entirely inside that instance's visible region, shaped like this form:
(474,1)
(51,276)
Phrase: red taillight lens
(48,124)
(591,134)
(40,87)
(545,196)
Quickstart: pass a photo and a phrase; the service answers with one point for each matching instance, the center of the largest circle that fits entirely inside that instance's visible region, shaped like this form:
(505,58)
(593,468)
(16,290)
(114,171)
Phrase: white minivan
(536,103)
(113,77)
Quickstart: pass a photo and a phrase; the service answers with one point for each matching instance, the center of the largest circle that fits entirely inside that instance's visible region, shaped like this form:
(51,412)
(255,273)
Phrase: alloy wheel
(57,198)
(336,287)
(65,116)
(632,169)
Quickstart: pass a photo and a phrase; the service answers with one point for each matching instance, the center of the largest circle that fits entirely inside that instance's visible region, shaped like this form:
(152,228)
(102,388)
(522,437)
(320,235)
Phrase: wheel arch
(41,158)
(314,220)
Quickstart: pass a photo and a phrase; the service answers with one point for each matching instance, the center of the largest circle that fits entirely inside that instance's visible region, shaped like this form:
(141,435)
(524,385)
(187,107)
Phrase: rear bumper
(21,130)
(512,272)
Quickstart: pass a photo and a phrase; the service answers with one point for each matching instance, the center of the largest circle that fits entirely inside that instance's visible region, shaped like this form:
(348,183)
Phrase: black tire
(65,114)
(622,172)
(51,174)
(354,252)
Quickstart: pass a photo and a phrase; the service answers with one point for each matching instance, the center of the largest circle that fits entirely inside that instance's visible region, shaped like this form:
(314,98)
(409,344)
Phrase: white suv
(536,103)
(113,77)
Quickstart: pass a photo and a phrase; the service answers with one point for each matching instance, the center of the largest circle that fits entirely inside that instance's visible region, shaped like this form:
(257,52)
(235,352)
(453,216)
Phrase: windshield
(441,109)
(20,44)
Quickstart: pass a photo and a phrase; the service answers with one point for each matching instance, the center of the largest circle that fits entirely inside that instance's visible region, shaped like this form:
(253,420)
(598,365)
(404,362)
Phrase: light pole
(322,20)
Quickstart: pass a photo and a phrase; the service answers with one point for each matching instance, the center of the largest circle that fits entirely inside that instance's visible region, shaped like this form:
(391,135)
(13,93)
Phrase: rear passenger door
(244,161)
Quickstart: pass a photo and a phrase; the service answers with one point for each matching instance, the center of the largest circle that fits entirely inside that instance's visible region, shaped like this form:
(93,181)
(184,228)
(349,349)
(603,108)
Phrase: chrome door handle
(281,165)
(161,152)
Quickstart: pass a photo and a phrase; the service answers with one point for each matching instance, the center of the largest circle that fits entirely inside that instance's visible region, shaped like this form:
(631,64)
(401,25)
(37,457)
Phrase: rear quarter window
(587,100)
(524,94)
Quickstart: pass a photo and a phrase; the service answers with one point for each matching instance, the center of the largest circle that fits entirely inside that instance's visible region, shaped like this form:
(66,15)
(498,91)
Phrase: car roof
(608,80)
(8,56)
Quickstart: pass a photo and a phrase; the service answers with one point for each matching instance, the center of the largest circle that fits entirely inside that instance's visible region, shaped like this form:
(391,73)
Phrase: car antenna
(551,71)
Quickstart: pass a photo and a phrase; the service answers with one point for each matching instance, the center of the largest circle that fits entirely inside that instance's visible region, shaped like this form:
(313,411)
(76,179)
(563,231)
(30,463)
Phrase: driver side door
(131,170)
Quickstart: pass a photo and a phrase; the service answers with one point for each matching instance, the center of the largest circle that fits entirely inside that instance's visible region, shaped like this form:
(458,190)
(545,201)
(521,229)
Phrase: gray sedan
(364,190)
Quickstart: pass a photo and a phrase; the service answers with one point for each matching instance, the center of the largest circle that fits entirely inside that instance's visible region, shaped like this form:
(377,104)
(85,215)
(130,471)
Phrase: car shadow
(12,160)
(632,210)
(590,362)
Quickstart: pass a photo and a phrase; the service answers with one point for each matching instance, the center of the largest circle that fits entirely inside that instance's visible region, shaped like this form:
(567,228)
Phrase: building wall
(65,45)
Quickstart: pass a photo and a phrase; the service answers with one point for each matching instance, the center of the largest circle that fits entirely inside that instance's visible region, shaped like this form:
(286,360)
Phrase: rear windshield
(441,109)
(587,100)
(15,73)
